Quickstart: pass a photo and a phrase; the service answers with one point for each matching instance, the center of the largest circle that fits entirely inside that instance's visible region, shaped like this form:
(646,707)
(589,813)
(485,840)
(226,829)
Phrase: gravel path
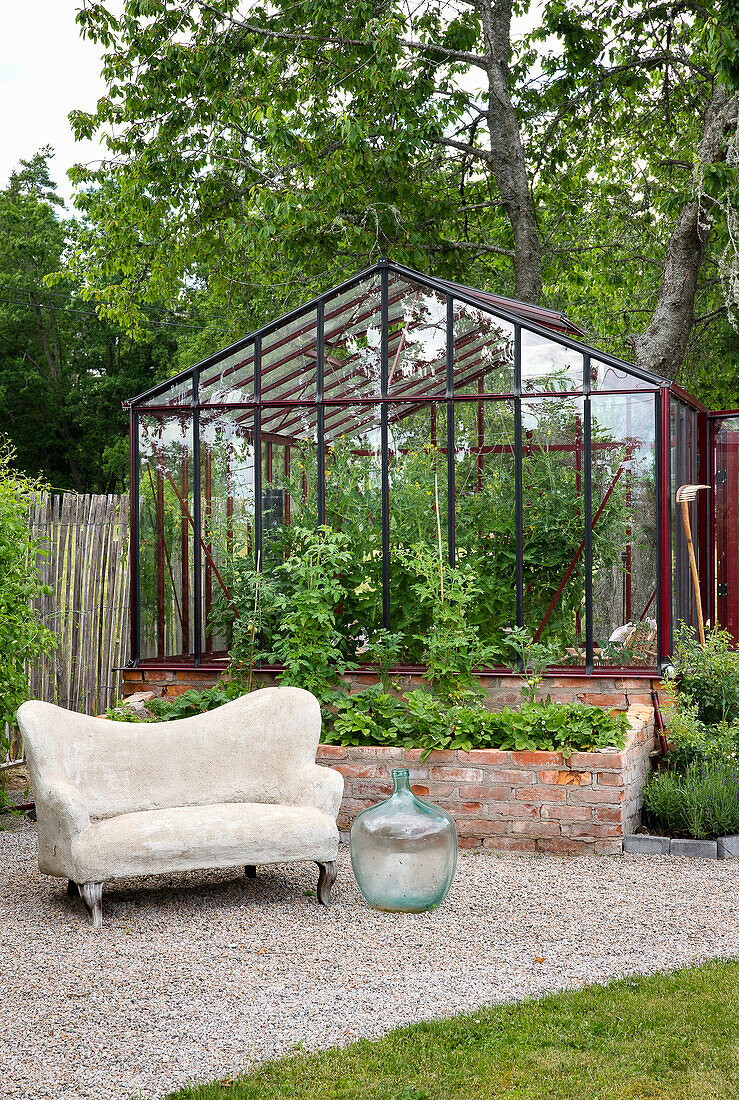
(197,977)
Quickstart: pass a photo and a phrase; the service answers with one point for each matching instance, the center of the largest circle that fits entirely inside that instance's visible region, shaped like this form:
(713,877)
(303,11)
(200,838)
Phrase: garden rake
(685,495)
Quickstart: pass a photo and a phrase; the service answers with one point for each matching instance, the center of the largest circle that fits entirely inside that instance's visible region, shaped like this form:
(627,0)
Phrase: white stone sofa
(236,786)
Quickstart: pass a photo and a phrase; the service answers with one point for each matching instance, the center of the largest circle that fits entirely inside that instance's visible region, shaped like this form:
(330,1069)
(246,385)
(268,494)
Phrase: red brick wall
(514,801)
(614,692)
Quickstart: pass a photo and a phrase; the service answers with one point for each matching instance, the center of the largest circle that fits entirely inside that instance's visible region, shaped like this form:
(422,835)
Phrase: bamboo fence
(84,561)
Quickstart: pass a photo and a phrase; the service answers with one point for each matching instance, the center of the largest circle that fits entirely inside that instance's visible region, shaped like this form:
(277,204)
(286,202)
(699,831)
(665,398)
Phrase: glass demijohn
(404,851)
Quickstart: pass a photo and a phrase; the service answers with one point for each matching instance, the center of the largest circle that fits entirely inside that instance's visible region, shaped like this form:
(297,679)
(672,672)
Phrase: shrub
(23,637)
(707,676)
(701,802)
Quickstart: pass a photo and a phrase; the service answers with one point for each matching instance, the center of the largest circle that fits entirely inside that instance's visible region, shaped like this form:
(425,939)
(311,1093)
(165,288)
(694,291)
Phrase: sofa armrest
(61,813)
(313,785)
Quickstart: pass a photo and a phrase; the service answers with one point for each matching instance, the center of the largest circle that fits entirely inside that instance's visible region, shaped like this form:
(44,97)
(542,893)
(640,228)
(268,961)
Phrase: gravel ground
(200,976)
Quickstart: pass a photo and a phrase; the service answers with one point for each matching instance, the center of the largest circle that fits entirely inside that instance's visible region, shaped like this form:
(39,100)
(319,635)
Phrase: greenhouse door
(726,519)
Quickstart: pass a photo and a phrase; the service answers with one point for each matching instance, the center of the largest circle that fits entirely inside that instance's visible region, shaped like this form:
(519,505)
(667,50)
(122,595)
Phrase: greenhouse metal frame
(392,348)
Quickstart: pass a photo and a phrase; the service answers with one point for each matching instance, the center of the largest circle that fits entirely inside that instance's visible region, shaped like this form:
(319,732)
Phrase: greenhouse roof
(383,335)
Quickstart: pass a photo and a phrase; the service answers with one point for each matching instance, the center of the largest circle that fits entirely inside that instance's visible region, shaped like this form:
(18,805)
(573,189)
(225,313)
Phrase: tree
(63,372)
(328,134)
(23,637)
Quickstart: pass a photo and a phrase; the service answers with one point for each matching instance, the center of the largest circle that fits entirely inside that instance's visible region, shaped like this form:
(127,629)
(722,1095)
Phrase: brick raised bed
(514,801)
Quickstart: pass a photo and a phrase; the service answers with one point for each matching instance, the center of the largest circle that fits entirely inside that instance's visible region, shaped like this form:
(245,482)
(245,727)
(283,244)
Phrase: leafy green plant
(701,802)
(23,637)
(707,675)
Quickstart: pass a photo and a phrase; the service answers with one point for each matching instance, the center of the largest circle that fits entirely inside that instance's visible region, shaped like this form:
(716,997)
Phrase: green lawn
(670,1036)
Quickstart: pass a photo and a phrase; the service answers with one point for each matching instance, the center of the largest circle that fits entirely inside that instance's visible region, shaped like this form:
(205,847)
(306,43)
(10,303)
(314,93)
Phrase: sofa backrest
(245,751)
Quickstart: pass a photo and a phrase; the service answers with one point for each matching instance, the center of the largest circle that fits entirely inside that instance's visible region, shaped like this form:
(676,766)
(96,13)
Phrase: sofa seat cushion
(226,834)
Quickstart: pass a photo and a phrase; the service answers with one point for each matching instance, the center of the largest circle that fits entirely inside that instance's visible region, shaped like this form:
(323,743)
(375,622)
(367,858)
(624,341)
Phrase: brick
(486,756)
(377,752)
(565,778)
(357,771)
(362,789)
(588,796)
(591,830)
(541,793)
(595,699)
(597,761)
(608,813)
(492,793)
(480,826)
(509,844)
(608,847)
(437,790)
(610,779)
(438,756)
(563,845)
(466,809)
(502,810)
(354,806)
(516,777)
(640,699)
(469,842)
(172,690)
(535,829)
(155,677)
(556,812)
(331,752)
(538,759)
(457,775)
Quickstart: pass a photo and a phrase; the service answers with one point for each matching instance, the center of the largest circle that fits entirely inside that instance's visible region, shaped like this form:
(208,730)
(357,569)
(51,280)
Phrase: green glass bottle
(404,851)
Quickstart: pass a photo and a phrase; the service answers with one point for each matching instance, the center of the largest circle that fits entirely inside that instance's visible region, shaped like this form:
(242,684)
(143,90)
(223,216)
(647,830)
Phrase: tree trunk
(507,162)
(661,348)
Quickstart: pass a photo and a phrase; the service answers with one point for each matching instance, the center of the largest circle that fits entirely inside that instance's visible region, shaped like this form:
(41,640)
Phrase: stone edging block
(640,844)
(697,849)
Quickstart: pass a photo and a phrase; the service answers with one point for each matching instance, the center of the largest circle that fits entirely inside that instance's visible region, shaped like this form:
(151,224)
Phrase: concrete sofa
(236,786)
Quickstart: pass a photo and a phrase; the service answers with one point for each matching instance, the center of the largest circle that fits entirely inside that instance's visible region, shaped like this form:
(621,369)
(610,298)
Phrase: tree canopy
(258,151)
(64,373)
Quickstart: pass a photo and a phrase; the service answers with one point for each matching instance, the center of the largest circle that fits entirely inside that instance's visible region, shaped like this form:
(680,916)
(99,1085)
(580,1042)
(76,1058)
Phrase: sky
(46,70)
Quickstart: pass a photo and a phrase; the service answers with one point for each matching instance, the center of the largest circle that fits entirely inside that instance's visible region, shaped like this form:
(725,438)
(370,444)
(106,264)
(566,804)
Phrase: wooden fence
(86,564)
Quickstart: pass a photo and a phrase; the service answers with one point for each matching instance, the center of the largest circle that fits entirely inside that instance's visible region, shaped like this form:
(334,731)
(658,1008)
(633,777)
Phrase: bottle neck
(401,781)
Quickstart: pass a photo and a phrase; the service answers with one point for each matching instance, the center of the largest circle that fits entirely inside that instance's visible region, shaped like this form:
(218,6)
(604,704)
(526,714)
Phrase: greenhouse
(432,424)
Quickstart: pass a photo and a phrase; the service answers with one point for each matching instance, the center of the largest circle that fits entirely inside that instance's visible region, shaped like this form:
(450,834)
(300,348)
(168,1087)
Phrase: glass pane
(418,519)
(726,513)
(547,366)
(229,380)
(179,393)
(624,530)
(165,535)
(416,343)
(683,471)
(605,377)
(289,361)
(553,526)
(485,517)
(227,516)
(352,341)
(353,479)
(483,352)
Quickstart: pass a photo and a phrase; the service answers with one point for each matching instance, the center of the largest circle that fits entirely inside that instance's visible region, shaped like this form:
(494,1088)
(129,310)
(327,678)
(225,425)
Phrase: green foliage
(23,637)
(707,676)
(668,1036)
(701,802)
(64,373)
(418,720)
(470,627)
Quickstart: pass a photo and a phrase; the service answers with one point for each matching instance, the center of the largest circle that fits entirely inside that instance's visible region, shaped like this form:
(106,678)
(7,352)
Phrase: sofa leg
(326,879)
(250,870)
(92,895)
(73,890)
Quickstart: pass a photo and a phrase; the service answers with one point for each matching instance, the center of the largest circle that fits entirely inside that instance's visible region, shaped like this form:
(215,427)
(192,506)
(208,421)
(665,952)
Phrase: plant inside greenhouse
(431,466)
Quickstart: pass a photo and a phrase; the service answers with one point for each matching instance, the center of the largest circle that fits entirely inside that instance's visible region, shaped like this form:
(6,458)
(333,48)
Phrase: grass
(670,1036)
